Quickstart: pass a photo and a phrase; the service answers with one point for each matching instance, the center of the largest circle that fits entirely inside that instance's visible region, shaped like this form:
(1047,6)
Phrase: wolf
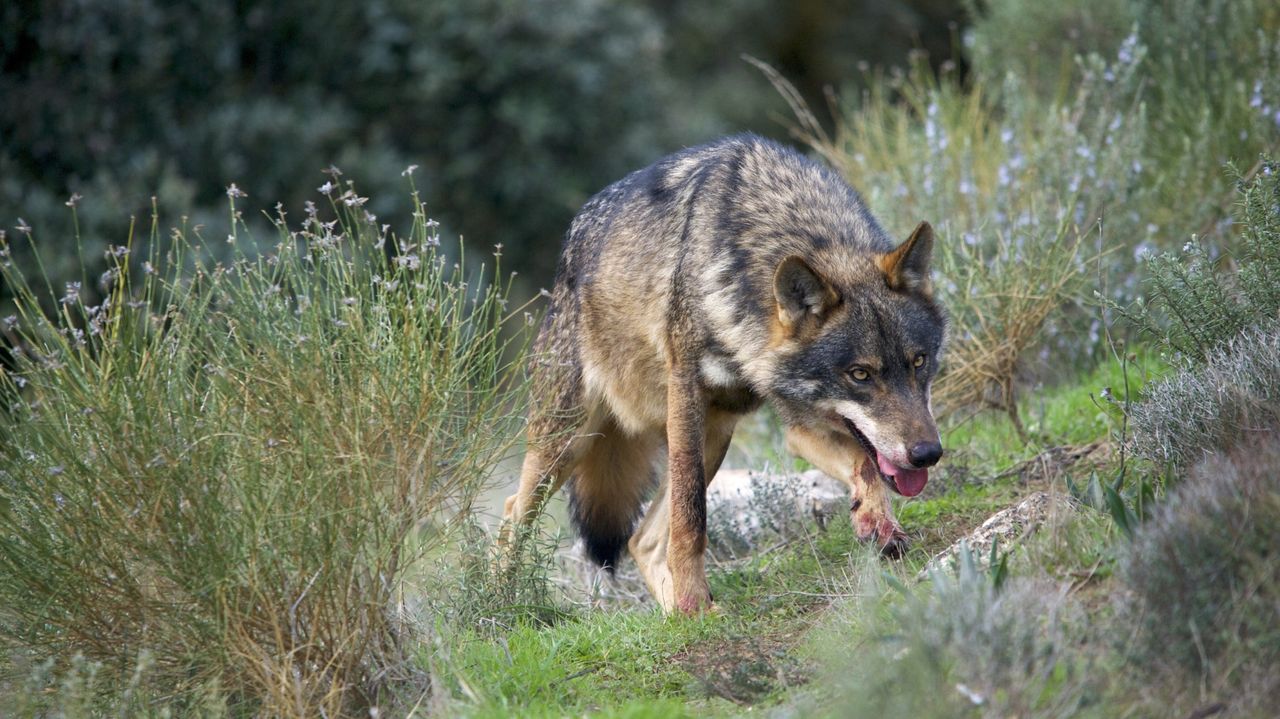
(692,292)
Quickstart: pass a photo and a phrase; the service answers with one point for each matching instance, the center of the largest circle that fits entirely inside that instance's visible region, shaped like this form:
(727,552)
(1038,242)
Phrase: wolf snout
(924,454)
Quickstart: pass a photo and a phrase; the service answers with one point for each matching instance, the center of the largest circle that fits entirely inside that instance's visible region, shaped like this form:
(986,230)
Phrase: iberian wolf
(690,293)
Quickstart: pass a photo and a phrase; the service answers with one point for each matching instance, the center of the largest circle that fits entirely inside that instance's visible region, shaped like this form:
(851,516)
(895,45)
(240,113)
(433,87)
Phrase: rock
(1010,526)
(743,504)
(744,508)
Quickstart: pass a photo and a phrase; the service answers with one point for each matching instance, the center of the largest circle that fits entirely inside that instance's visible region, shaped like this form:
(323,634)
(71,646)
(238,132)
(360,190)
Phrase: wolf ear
(906,268)
(801,293)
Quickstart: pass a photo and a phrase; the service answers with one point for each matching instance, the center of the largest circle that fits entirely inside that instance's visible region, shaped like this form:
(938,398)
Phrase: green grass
(1074,412)
(639,661)
(597,660)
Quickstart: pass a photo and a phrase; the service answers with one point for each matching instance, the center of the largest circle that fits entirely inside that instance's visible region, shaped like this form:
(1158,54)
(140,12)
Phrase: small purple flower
(71,294)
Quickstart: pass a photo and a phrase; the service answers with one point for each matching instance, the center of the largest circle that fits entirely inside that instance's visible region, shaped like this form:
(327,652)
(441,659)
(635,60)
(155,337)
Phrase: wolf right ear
(801,293)
(906,268)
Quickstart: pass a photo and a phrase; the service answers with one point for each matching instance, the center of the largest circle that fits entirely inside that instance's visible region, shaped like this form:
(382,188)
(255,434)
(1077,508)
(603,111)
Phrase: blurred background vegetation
(515,111)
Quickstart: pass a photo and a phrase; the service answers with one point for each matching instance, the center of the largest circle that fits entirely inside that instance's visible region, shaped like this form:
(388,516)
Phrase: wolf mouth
(906,482)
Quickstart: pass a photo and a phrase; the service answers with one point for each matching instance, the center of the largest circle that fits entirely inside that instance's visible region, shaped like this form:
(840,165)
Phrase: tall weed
(222,465)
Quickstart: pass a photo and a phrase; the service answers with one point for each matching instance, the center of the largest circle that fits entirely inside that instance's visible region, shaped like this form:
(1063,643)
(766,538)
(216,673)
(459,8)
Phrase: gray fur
(757,269)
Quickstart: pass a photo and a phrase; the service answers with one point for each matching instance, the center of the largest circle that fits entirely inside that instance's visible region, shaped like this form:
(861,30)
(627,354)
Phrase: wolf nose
(925,454)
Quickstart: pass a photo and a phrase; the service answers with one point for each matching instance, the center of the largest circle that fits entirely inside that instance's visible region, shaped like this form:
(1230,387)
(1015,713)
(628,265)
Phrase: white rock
(743,502)
(1011,526)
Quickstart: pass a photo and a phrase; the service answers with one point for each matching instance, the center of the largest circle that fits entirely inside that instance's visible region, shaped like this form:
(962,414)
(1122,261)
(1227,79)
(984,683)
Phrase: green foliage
(231,466)
(464,588)
(815,43)
(1214,70)
(1039,42)
(1205,582)
(518,108)
(1192,307)
(516,111)
(1221,324)
(512,109)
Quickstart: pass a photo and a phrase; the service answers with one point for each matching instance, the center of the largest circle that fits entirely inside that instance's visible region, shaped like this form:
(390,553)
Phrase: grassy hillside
(249,487)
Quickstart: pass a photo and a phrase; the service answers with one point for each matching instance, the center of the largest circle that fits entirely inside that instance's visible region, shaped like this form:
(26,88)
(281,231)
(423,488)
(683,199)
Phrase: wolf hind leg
(648,545)
(609,487)
(544,470)
(556,445)
(562,420)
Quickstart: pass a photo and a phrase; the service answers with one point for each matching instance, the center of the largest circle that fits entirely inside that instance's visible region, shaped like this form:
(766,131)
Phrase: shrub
(1209,83)
(961,647)
(516,111)
(465,590)
(229,467)
(1192,307)
(1223,327)
(1214,76)
(1234,396)
(1040,41)
(1204,578)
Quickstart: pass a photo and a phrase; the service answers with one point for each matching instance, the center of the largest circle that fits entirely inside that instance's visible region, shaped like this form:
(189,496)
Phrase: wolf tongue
(909,482)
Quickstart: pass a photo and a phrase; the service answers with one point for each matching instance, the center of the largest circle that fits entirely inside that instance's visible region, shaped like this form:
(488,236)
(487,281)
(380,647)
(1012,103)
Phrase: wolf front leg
(648,545)
(687,490)
(841,457)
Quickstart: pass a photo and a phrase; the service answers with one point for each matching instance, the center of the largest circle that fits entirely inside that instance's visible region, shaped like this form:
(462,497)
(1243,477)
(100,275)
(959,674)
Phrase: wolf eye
(860,374)
(919,360)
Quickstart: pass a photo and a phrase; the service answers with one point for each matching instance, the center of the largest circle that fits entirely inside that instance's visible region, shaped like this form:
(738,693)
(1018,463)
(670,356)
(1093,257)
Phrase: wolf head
(858,346)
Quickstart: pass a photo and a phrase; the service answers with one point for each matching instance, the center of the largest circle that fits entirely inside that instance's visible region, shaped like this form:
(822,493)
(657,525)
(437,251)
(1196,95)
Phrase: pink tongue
(909,482)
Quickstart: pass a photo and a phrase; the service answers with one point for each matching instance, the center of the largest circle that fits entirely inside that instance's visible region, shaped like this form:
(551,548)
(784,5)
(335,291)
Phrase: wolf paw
(694,604)
(879,526)
(896,545)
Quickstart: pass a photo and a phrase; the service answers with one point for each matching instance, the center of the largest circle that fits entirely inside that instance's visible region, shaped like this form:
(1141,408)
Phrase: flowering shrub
(223,470)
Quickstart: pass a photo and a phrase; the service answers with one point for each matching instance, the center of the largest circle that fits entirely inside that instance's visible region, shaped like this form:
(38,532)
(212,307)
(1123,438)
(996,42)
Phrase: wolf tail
(607,493)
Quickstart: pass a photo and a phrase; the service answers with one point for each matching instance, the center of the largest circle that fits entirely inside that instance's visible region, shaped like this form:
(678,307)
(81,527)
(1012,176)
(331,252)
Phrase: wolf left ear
(906,268)
(801,293)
